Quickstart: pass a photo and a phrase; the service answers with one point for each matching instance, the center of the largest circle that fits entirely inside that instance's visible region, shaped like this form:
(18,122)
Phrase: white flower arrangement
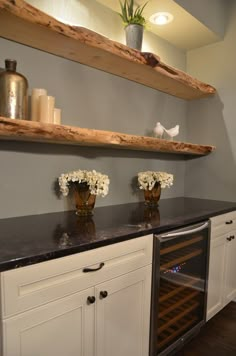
(148,179)
(98,183)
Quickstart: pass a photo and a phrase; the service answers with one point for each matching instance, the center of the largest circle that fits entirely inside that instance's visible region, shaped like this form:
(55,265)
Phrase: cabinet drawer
(223,224)
(28,287)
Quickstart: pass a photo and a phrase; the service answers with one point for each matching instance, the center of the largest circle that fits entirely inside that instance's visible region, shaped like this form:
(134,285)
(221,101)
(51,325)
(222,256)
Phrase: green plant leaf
(129,16)
(131,8)
(125,11)
(143,7)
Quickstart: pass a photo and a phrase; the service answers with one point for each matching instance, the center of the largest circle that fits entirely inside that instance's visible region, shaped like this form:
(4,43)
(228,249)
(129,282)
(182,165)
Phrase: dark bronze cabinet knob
(103,294)
(91,300)
(232,237)
(229,238)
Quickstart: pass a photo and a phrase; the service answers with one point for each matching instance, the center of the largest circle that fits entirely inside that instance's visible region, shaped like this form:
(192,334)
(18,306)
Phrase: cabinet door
(123,316)
(216,276)
(230,270)
(64,327)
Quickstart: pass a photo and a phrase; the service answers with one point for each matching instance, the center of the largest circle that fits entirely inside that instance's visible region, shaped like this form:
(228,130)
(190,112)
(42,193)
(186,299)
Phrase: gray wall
(210,12)
(93,99)
(213,121)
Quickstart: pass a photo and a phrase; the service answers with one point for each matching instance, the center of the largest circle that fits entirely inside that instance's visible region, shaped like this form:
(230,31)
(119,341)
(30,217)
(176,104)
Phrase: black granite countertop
(32,239)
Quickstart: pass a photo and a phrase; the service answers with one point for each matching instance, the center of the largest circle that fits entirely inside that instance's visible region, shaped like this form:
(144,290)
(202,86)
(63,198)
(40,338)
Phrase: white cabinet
(230,270)
(216,277)
(122,326)
(59,328)
(57,308)
(222,263)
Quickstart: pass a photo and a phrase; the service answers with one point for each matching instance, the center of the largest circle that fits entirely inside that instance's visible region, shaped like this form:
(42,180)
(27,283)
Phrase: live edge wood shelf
(22,130)
(25,24)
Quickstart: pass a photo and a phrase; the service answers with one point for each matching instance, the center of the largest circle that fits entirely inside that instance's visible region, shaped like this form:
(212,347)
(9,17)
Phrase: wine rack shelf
(178,314)
(173,331)
(179,256)
(169,290)
(178,310)
(177,301)
(182,287)
(180,245)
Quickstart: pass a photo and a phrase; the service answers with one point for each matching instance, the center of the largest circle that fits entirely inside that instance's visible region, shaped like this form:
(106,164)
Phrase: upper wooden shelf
(22,130)
(25,24)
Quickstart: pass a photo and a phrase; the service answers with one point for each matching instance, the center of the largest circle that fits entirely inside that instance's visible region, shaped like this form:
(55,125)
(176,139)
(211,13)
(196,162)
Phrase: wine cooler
(179,287)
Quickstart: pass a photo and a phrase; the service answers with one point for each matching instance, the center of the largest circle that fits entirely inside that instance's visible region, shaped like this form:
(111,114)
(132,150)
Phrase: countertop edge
(63,252)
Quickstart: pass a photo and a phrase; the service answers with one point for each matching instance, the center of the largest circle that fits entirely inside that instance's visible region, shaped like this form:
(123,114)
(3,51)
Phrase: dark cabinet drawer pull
(86,270)
(91,300)
(229,222)
(232,237)
(228,238)
(103,294)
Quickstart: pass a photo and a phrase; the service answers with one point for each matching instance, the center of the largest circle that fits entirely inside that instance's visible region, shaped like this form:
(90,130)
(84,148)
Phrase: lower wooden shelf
(178,314)
(172,332)
(180,299)
(23,130)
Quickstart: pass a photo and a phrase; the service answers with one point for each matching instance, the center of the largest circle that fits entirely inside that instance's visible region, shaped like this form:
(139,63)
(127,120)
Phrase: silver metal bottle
(13,92)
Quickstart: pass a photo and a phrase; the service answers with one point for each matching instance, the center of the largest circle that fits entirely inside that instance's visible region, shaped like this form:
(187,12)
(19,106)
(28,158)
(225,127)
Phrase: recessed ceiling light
(161,18)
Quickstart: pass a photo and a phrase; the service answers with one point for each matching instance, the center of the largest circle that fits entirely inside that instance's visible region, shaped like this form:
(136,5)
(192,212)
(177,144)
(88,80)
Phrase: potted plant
(134,22)
(151,183)
(86,185)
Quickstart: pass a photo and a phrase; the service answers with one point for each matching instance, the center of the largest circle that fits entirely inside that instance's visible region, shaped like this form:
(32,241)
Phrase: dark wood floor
(216,338)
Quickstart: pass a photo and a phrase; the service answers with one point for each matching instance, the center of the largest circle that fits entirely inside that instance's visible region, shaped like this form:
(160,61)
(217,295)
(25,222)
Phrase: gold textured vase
(152,196)
(84,200)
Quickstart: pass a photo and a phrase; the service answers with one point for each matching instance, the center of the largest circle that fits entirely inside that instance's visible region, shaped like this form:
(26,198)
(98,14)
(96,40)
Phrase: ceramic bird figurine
(158,130)
(173,132)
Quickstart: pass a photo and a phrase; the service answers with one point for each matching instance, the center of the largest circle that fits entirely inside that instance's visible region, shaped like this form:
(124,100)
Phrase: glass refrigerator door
(182,267)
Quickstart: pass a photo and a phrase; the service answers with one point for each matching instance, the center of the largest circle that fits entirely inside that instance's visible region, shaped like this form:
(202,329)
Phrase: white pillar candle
(46,108)
(57,116)
(35,102)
